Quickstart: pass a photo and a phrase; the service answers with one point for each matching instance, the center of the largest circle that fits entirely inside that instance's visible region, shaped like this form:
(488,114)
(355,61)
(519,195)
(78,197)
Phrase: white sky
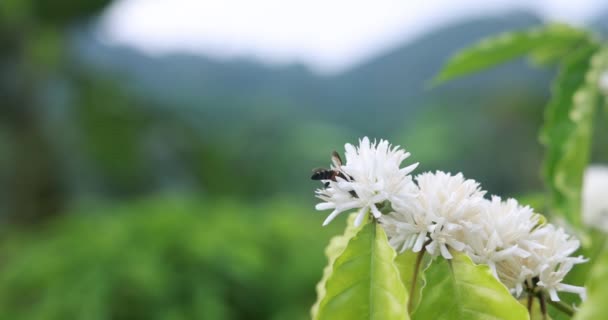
(327,35)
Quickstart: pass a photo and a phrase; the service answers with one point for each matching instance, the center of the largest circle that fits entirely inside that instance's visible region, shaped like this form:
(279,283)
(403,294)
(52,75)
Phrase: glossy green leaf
(460,289)
(406,263)
(365,282)
(543,43)
(333,250)
(568,129)
(596,307)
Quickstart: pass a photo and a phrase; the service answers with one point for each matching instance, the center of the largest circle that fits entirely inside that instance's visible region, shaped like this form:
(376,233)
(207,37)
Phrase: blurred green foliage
(166,258)
(34,71)
(570,113)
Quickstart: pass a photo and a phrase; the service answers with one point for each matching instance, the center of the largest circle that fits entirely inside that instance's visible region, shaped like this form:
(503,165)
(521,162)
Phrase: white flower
(551,277)
(595,202)
(454,205)
(406,228)
(371,176)
(514,274)
(445,209)
(553,261)
(504,229)
(546,266)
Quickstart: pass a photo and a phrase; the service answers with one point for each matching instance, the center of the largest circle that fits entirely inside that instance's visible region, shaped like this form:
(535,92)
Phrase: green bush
(166,259)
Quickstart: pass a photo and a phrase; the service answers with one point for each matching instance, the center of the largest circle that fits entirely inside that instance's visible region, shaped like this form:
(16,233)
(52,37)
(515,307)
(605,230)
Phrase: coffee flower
(548,261)
(371,179)
(444,211)
(552,261)
(503,229)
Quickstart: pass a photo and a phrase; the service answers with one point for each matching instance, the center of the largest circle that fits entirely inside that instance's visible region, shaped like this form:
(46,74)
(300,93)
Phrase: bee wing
(336,160)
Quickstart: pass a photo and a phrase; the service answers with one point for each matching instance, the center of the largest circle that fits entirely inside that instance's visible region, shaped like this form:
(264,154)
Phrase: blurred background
(155,155)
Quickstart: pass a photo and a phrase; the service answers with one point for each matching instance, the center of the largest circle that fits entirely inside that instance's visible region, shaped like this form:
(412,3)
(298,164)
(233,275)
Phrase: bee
(332,174)
(329,174)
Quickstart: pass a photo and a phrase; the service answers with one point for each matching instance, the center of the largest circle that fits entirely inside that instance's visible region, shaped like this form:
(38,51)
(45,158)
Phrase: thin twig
(543,305)
(530,302)
(415,276)
(562,306)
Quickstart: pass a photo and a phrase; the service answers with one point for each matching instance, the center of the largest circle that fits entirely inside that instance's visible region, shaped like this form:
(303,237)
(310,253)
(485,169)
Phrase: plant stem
(415,276)
(563,307)
(543,305)
(530,302)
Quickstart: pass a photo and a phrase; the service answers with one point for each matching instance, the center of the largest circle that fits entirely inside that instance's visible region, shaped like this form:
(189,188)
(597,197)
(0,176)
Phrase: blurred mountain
(394,80)
(274,123)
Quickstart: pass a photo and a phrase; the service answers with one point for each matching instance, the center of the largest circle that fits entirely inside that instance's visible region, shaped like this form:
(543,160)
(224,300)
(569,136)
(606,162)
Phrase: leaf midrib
(371,271)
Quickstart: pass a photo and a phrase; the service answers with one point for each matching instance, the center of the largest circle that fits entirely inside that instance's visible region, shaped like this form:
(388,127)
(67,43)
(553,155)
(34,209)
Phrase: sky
(327,36)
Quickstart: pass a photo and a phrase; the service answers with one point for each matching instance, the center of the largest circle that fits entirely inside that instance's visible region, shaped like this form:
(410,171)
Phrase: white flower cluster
(370,177)
(440,212)
(522,252)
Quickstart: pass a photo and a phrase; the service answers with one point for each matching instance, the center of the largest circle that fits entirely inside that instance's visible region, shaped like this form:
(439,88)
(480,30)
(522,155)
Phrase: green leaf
(365,282)
(406,263)
(571,77)
(596,307)
(333,250)
(553,53)
(568,129)
(543,43)
(459,289)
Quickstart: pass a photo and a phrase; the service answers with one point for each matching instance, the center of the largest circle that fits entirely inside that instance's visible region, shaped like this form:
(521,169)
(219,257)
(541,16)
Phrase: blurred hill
(258,115)
(392,83)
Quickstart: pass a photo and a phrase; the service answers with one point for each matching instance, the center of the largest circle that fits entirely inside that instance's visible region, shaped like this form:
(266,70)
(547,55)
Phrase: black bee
(332,174)
(329,174)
